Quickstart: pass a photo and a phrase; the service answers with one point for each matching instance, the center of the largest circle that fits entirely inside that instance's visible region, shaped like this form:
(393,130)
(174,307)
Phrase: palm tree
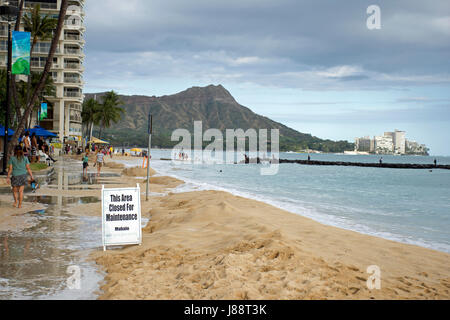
(109,111)
(90,109)
(41,84)
(41,28)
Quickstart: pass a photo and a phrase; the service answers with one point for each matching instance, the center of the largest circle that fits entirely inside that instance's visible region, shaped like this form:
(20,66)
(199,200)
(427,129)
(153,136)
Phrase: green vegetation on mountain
(214,106)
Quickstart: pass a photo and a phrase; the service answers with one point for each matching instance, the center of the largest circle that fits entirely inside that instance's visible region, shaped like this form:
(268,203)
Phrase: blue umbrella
(2,131)
(41,132)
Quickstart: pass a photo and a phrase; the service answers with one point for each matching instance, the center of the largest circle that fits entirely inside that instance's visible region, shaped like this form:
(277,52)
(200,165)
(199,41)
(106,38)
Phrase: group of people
(100,154)
(183,155)
(106,150)
(32,145)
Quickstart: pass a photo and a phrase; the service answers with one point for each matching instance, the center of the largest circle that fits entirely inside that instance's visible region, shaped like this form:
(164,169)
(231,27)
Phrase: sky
(314,66)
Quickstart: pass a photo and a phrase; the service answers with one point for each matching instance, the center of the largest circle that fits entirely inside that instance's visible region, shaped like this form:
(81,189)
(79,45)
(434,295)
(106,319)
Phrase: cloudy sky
(312,65)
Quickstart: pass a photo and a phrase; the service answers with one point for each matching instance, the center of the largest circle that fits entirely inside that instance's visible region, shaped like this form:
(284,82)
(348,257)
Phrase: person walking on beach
(85,165)
(17,175)
(435,162)
(99,161)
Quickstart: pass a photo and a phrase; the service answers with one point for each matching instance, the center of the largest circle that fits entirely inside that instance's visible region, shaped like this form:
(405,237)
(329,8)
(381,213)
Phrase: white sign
(121,216)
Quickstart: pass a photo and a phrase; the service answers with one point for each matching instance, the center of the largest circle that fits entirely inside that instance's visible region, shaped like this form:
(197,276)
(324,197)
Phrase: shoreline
(362,229)
(215,245)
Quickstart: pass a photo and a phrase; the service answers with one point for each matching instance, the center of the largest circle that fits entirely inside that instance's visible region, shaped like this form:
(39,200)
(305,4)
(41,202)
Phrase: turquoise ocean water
(409,206)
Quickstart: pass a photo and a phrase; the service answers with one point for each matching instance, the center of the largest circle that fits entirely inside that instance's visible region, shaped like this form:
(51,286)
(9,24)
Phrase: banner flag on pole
(44,111)
(21,47)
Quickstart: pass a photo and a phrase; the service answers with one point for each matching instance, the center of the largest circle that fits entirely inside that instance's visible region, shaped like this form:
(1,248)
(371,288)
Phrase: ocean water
(409,206)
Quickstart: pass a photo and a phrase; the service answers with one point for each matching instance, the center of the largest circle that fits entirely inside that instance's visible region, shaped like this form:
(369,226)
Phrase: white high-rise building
(384,144)
(399,142)
(64,110)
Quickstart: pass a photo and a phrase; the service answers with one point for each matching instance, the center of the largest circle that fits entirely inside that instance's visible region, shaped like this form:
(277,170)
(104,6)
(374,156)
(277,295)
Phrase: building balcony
(72,94)
(37,64)
(73,51)
(75,66)
(44,6)
(72,37)
(42,51)
(72,80)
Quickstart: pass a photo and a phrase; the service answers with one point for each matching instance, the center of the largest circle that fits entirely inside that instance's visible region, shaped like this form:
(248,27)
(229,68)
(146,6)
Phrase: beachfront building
(64,109)
(399,140)
(390,143)
(365,144)
(413,147)
(384,144)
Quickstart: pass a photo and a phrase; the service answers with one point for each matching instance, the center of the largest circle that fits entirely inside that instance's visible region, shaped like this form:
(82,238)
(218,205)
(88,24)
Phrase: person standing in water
(17,175)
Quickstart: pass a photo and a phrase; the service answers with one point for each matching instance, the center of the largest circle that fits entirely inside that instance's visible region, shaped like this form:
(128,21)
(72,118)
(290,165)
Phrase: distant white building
(390,143)
(399,142)
(364,144)
(413,147)
(384,144)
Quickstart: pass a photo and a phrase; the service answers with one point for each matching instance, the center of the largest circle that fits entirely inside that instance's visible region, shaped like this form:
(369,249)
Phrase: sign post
(150,131)
(121,216)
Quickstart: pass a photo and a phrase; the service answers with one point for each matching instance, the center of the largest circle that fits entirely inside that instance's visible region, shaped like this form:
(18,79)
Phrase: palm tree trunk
(30,105)
(29,76)
(19,15)
(92,128)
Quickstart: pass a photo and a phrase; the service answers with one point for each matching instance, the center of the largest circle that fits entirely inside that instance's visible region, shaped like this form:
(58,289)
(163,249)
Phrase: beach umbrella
(98,141)
(136,150)
(2,131)
(41,132)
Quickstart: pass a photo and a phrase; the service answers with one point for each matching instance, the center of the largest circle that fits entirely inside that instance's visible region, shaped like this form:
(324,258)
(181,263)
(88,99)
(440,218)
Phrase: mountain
(214,106)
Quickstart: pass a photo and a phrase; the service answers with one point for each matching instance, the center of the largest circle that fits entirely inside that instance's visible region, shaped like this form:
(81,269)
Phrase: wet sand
(213,245)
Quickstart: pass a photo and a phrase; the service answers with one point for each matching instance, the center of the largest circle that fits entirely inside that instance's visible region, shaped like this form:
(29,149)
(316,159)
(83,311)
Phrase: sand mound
(137,172)
(114,165)
(212,245)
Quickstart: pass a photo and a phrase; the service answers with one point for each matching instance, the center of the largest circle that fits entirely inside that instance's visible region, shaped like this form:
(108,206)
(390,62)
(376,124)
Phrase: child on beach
(18,168)
(85,165)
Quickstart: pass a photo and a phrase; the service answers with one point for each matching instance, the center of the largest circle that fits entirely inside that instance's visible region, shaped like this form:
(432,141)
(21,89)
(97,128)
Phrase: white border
(138,188)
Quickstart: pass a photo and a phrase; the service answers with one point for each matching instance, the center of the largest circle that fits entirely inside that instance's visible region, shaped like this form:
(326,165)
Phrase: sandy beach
(214,245)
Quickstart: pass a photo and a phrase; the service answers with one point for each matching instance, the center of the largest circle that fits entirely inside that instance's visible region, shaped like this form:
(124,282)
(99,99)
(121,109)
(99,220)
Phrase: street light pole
(150,131)
(9,13)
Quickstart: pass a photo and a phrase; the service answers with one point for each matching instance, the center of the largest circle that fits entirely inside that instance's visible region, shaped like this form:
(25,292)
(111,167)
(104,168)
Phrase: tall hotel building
(64,109)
